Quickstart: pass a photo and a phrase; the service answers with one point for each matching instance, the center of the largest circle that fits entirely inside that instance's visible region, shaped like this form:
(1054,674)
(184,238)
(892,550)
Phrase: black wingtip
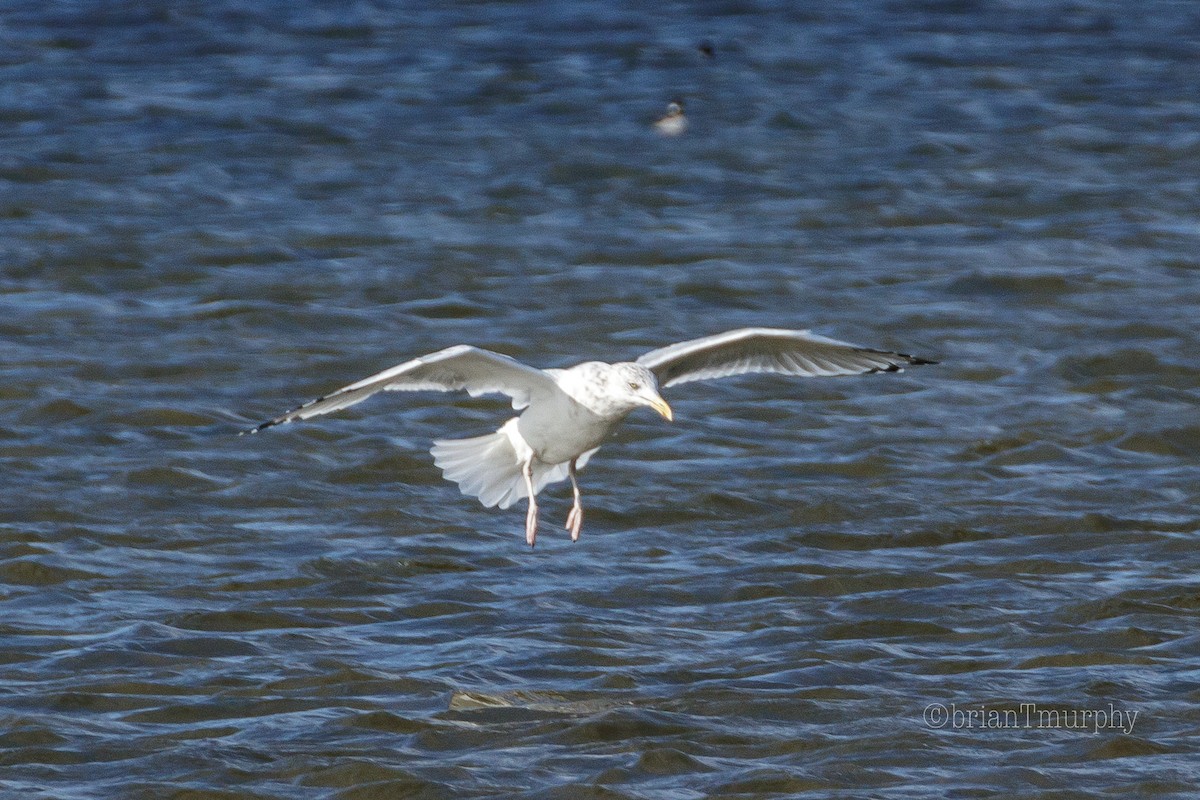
(288,417)
(909,361)
(257,428)
(905,360)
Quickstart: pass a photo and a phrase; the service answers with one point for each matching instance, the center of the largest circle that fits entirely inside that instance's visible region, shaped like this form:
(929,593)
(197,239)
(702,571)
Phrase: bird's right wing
(785,352)
(461,367)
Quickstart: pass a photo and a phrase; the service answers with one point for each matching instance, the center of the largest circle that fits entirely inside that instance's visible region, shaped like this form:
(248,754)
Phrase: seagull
(567,413)
(673,122)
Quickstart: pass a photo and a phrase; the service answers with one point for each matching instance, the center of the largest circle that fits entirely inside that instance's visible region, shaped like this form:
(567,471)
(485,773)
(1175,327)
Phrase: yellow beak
(660,405)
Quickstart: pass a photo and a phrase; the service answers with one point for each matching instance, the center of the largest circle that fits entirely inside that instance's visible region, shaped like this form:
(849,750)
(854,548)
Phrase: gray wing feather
(775,350)
(461,367)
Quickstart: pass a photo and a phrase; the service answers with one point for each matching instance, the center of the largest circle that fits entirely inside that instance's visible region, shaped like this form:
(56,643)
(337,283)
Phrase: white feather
(489,467)
(787,352)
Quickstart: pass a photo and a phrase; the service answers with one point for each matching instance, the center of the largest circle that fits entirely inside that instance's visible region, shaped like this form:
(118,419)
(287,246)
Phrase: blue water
(211,212)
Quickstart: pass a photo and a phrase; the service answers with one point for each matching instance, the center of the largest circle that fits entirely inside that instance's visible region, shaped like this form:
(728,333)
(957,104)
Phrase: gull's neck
(587,384)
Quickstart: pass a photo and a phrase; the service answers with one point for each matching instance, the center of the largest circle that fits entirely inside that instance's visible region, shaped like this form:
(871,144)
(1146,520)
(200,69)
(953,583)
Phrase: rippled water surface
(212,211)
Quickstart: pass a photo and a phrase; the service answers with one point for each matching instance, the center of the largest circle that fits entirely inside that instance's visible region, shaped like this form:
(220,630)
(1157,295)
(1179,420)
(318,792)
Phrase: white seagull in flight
(567,413)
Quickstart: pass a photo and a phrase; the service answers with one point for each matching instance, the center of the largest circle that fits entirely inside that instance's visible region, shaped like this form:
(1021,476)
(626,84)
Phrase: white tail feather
(489,467)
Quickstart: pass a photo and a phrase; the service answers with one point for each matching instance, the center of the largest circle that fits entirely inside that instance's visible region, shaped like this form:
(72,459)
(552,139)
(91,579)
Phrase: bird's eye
(634,385)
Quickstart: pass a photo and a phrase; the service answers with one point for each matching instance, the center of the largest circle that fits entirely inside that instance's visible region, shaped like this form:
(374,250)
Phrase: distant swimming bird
(673,122)
(567,413)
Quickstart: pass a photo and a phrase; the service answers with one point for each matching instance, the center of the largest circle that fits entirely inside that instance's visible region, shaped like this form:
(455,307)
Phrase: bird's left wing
(768,350)
(461,367)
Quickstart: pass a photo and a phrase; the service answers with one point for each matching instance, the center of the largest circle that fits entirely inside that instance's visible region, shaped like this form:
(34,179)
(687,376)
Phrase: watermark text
(1030,716)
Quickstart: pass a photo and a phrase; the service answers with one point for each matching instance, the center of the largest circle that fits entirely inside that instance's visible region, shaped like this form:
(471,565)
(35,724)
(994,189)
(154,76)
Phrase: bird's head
(636,386)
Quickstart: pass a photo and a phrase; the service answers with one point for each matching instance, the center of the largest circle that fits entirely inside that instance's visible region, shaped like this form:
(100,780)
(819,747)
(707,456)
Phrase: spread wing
(461,367)
(768,350)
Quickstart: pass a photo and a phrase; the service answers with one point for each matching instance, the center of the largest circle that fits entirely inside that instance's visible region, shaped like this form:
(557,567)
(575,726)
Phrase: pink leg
(531,514)
(575,518)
